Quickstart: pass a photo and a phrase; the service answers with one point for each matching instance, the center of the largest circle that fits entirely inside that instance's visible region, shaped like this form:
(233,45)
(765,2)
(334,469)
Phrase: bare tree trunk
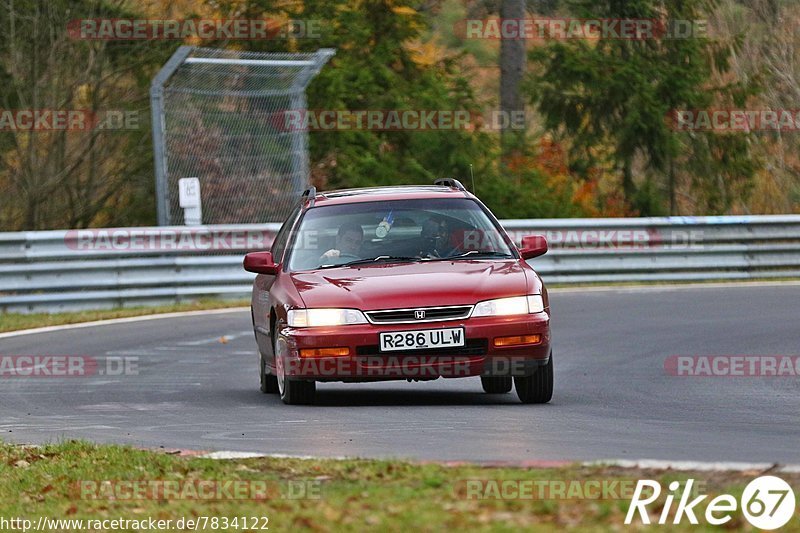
(512,69)
(628,189)
(57,177)
(672,200)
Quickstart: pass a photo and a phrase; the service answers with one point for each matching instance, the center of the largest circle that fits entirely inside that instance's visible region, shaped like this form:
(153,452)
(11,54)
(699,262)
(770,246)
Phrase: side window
(279,244)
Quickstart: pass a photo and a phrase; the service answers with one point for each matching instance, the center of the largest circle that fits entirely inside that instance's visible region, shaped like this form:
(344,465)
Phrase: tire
(496,384)
(293,391)
(537,388)
(269,383)
(299,392)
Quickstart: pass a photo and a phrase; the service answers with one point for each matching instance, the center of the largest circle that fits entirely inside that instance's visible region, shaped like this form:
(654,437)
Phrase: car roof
(399,192)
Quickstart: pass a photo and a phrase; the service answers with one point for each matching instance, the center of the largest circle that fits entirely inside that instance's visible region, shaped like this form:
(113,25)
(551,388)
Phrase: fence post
(158,128)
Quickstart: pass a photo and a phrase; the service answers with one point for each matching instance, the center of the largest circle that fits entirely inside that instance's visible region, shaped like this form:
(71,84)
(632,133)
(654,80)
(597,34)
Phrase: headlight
(517,305)
(305,318)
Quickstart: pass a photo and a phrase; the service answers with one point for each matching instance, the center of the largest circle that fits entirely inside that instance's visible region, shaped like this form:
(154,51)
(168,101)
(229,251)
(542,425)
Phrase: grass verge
(80,481)
(18,321)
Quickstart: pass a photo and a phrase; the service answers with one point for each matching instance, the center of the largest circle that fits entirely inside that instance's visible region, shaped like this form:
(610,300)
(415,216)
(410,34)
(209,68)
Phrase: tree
(612,98)
(381,63)
(512,70)
(79,177)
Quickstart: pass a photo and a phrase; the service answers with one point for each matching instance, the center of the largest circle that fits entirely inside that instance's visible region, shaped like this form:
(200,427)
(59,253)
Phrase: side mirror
(533,246)
(260,263)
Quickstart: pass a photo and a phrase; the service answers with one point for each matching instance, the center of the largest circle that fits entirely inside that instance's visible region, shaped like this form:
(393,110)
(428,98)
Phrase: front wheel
(537,388)
(292,391)
(496,384)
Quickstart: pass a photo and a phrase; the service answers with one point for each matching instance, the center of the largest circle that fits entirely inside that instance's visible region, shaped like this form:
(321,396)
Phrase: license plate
(421,338)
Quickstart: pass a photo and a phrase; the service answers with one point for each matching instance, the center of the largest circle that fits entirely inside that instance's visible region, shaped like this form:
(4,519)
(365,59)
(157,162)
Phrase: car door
(262,299)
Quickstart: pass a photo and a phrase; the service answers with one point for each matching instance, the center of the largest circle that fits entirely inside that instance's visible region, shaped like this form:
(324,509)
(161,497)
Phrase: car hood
(404,285)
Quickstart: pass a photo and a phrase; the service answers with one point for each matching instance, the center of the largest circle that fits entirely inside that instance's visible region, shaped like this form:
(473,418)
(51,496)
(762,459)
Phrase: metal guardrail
(89,269)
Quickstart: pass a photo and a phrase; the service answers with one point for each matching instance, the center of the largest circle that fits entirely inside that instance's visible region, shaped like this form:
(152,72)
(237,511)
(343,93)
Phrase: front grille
(472,347)
(409,316)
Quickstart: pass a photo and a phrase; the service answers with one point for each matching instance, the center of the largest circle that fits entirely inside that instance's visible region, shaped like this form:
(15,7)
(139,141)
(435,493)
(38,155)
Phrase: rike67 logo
(767,502)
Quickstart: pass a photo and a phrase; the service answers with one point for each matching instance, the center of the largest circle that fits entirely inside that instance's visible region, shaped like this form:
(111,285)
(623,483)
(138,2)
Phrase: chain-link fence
(218,115)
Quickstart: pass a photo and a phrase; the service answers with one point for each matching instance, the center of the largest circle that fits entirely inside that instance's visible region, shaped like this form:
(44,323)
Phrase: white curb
(124,320)
(643,464)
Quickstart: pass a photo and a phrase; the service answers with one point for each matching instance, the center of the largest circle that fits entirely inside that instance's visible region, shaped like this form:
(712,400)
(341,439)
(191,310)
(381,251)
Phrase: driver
(348,244)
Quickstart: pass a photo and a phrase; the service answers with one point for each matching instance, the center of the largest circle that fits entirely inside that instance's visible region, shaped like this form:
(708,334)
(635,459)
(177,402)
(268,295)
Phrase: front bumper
(479,356)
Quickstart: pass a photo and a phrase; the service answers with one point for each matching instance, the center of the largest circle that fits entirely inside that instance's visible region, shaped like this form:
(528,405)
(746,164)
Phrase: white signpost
(189,197)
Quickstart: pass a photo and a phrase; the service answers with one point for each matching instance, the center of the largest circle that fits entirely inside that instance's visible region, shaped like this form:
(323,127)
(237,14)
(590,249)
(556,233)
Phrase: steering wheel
(340,259)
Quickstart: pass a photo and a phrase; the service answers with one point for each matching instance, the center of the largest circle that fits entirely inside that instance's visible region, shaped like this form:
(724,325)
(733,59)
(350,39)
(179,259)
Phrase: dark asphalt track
(613,398)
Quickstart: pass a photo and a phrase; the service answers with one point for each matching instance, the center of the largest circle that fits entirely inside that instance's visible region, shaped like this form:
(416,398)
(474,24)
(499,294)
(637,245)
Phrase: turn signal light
(518,340)
(324,352)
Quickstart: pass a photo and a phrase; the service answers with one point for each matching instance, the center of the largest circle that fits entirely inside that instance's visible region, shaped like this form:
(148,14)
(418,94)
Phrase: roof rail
(311,193)
(450,182)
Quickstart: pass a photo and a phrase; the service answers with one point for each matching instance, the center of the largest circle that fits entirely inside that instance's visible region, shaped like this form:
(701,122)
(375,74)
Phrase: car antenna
(472,175)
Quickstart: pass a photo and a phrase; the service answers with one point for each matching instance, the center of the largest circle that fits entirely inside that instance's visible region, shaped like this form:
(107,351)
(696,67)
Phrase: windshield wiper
(474,254)
(379,259)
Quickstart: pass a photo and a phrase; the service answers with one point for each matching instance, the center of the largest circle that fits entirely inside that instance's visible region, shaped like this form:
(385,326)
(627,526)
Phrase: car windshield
(395,231)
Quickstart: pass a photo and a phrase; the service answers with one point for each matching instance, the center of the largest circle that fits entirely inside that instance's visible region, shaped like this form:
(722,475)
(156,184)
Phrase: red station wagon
(410,283)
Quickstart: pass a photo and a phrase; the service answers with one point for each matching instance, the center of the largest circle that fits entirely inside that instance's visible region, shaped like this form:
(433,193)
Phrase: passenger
(435,238)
